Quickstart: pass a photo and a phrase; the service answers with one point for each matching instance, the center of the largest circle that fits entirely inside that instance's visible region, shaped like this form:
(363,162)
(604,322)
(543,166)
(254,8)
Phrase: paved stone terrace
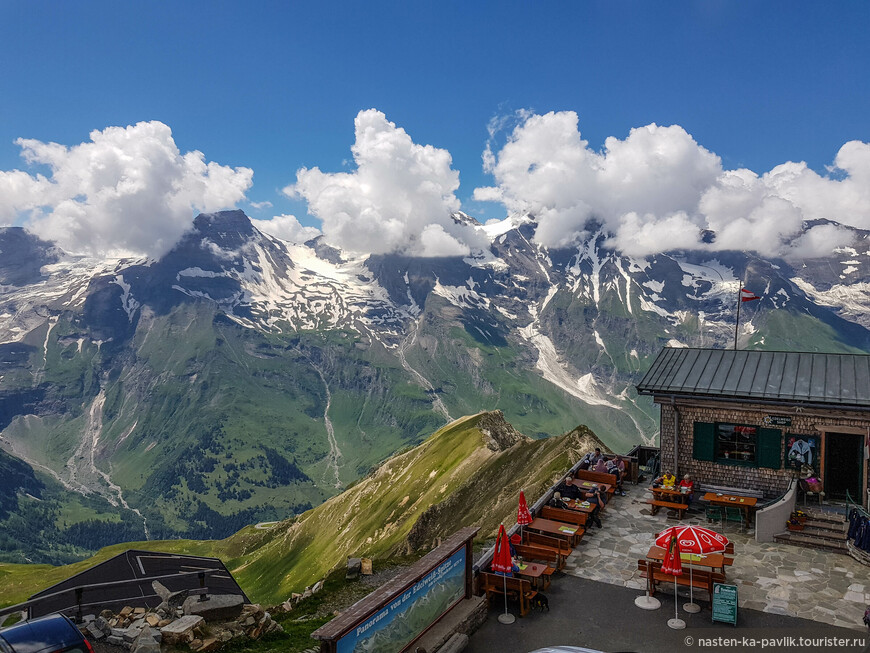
(776,578)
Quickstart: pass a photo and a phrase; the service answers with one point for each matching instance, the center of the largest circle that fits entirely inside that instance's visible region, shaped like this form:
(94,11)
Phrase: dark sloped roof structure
(783,377)
(129,576)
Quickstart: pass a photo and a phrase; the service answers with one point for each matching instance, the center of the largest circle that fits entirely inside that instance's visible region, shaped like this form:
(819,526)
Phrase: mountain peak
(229,229)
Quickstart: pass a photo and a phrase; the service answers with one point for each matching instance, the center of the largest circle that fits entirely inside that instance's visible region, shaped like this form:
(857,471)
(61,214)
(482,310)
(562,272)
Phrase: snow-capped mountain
(242,377)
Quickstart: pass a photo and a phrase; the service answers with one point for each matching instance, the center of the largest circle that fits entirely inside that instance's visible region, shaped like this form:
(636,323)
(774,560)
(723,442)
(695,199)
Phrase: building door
(844,466)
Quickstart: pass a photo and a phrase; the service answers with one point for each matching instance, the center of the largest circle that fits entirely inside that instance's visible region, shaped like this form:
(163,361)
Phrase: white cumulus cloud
(128,191)
(399,198)
(287,227)
(659,190)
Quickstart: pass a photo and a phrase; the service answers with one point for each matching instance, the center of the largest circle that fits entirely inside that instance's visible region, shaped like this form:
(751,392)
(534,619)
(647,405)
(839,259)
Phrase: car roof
(50,633)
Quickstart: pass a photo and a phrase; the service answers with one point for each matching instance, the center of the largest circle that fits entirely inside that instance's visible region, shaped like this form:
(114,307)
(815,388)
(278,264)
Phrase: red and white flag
(747,295)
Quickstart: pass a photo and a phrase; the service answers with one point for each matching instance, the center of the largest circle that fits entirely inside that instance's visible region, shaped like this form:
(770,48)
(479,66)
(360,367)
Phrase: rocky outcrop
(499,434)
(222,619)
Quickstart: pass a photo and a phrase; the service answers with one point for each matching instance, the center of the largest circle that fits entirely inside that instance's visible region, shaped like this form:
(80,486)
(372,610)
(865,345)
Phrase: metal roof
(789,377)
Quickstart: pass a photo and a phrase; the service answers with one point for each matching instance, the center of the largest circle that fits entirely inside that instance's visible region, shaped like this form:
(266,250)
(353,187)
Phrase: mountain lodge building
(749,419)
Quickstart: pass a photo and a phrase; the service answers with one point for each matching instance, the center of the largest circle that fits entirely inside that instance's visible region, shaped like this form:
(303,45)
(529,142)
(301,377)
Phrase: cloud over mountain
(399,198)
(128,191)
(287,227)
(659,190)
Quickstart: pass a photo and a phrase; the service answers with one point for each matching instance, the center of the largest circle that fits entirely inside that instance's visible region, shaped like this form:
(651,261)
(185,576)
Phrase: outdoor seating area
(523,564)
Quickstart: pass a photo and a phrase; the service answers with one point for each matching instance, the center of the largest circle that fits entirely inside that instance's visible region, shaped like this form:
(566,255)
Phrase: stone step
(797,538)
(822,533)
(824,516)
(838,529)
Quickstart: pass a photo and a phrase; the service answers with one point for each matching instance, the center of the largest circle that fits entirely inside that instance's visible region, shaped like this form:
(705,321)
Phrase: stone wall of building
(771,482)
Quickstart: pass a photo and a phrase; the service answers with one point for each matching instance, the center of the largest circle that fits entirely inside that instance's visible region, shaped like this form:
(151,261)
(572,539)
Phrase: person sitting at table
(666,480)
(594,499)
(586,461)
(689,484)
(568,490)
(616,466)
(600,465)
(556,501)
(596,456)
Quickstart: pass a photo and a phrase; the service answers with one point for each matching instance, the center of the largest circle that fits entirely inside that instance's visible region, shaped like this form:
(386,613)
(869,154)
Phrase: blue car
(54,633)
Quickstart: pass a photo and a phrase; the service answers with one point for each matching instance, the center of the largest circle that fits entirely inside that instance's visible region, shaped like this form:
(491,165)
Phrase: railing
(79,592)
(850,503)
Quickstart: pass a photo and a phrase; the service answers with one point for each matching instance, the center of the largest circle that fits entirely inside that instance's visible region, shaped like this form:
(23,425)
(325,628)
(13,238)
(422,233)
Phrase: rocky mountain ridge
(241,378)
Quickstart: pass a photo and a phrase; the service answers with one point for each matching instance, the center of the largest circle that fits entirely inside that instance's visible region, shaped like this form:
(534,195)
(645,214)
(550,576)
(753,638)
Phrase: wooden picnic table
(710,560)
(536,573)
(576,504)
(590,485)
(746,504)
(670,494)
(556,528)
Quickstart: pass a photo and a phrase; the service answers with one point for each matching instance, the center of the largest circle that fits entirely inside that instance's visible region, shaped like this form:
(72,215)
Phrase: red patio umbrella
(503,564)
(524,517)
(673,565)
(695,540)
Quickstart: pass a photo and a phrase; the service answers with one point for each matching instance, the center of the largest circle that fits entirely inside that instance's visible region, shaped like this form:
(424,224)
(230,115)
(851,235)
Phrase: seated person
(689,484)
(596,456)
(600,465)
(586,461)
(616,466)
(594,499)
(666,480)
(567,489)
(556,501)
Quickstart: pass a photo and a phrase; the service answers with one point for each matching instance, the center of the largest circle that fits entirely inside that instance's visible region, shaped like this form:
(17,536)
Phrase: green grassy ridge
(452,478)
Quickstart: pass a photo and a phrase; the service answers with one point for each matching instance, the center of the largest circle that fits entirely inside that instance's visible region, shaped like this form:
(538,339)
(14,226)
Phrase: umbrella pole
(648,601)
(507,617)
(691,607)
(676,623)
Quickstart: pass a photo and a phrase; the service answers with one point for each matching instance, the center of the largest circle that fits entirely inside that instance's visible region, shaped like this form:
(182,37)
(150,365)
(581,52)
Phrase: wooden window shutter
(770,448)
(704,441)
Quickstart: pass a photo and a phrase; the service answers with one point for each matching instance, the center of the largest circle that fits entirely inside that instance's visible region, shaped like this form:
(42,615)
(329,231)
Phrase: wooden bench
(699,578)
(598,477)
(567,516)
(555,544)
(531,552)
(518,589)
(670,505)
(724,489)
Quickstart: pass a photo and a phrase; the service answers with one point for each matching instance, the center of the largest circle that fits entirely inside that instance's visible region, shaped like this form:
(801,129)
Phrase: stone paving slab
(771,577)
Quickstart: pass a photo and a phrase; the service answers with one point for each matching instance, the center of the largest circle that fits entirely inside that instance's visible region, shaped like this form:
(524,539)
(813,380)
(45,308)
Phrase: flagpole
(739,301)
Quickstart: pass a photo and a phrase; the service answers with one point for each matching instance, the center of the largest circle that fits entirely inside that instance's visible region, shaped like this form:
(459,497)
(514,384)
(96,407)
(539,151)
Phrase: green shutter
(770,448)
(704,441)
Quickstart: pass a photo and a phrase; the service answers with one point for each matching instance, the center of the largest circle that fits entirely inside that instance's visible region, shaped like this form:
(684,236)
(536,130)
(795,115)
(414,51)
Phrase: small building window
(736,442)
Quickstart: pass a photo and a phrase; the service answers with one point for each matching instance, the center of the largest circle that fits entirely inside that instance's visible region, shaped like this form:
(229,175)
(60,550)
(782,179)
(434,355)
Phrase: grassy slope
(453,477)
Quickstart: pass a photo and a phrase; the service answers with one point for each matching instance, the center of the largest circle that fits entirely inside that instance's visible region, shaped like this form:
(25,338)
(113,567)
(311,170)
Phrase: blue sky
(275,86)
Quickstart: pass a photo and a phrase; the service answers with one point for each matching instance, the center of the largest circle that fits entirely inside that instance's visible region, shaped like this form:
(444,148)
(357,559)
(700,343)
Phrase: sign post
(725,603)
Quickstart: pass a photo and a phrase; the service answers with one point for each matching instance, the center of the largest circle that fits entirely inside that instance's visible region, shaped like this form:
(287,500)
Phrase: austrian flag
(747,296)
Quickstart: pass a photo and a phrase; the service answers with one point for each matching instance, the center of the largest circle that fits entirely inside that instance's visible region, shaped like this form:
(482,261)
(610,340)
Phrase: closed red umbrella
(523,515)
(673,565)
(695,540)
(502,563)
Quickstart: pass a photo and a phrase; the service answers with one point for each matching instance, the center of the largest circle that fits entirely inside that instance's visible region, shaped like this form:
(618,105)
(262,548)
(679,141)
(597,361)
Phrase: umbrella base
(692,608)
(676,624)
(646,602)
(506,618)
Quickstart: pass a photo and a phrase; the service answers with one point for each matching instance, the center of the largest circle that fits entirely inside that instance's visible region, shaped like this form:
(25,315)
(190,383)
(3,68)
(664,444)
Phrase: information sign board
(725,603)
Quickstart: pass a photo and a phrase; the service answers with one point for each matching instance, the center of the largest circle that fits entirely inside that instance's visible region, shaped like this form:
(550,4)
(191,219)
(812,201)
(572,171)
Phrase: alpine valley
(241,378)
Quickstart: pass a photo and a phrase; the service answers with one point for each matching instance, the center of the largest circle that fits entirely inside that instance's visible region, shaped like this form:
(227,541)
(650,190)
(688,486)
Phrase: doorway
(844,466)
